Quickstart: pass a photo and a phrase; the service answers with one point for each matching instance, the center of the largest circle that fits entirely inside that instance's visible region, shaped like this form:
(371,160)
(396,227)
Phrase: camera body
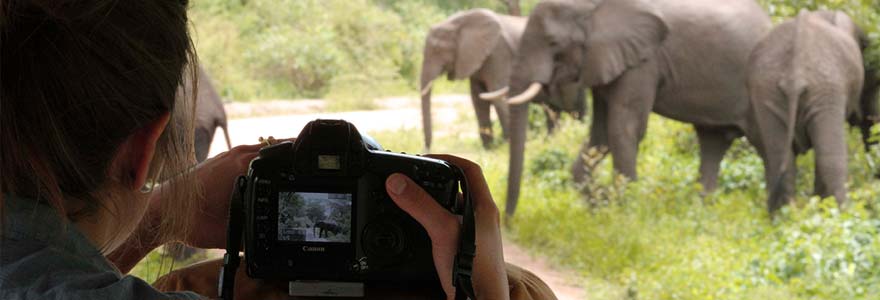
(317,209)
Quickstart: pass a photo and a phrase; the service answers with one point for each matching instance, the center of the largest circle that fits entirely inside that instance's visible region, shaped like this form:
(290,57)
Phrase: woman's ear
(132,162)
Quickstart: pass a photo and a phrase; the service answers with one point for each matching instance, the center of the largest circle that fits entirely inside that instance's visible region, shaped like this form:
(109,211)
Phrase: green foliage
(875,133)
(284,49)
(346,50)
(158,263)
(551,165)
(819,244)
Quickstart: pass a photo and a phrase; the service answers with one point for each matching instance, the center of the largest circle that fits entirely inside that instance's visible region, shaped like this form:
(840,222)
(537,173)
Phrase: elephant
(210,114)
(806,80)
(683,59)
(480,45)
(324,229)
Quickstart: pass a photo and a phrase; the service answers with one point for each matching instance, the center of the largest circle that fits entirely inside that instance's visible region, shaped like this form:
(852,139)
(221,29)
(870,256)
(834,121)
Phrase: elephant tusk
(530,93)
(492,96)
(427,88)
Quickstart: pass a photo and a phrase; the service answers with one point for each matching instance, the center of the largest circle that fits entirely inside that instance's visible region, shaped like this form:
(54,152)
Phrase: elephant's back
(704,59)
(209,105)
(771,59)
(812,50)
(512,27)
(716,27)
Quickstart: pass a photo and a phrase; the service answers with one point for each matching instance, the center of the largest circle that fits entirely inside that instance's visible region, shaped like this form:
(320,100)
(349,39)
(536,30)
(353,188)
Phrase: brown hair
(76,79)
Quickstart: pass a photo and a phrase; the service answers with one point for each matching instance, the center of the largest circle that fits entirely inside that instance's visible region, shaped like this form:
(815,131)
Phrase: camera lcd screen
(314,217)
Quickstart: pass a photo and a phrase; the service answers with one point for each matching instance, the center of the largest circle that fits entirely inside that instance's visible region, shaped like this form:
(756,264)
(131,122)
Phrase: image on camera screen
(314,217)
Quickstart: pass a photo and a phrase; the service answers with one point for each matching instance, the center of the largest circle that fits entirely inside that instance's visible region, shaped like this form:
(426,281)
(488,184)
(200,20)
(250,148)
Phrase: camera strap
(232,259)
(464,260)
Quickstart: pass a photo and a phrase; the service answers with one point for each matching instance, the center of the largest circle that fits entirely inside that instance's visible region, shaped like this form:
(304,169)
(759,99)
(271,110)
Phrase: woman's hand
(207,220)
(216,176)
(489,274)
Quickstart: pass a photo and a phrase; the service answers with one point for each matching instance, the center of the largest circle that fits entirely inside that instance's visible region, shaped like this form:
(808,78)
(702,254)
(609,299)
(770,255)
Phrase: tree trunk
(512,7)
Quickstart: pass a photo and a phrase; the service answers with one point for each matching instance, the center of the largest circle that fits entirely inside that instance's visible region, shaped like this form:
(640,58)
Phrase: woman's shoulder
(53,274)
(41,260)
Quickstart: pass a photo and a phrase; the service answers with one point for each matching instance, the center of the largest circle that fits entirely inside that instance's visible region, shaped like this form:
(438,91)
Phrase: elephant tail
(226,135)
(792,88)
(222,124)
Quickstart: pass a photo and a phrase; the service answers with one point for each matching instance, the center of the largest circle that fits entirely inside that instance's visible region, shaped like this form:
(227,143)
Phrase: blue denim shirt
(43,256)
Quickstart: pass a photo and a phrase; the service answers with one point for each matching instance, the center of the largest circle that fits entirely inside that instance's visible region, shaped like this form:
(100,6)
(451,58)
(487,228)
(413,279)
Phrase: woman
(95,149)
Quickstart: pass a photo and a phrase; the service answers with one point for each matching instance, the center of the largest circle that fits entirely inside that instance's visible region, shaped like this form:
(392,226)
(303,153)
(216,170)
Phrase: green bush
(341,49)
(820,251)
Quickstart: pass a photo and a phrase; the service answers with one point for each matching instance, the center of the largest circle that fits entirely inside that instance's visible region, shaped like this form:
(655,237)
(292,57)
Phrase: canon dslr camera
(316,210)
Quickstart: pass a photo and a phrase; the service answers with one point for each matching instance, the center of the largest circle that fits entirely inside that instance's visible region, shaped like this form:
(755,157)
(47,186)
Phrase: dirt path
(290,117)
(286,119)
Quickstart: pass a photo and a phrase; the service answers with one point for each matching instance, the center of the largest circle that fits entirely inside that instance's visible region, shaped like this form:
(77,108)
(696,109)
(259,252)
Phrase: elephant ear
(844,22)
(621,35)
(478,34)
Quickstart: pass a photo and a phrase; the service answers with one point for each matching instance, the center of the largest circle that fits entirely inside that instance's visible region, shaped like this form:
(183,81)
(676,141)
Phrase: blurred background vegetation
(350,50)
(657,238)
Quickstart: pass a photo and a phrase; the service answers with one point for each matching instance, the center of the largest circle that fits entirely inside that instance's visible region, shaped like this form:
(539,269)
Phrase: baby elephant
(806,78)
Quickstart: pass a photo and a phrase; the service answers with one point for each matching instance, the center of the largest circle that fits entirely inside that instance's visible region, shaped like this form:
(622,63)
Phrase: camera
(316,210)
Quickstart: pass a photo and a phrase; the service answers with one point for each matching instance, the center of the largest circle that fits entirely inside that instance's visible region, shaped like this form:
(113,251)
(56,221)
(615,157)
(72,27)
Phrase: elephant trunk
(519,115)
(426,118)
(430,71)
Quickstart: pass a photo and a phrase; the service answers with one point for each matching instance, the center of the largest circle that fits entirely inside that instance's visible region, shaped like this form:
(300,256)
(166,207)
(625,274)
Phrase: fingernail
(396,184)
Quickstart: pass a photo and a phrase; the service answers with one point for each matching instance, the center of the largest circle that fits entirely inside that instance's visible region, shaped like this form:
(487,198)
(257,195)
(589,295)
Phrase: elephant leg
(630,101)
(780,182)
(769,132)
(203,138)
(581,108)
(785,182)
(503,116)
(714,143)
(551,117)
(828,137)
(481,107)
(593,151)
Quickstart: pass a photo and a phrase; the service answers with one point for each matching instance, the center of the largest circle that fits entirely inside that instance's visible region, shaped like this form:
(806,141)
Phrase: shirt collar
(35,222)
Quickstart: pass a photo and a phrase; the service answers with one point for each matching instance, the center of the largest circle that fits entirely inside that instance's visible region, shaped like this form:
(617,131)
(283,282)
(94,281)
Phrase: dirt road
(396,113)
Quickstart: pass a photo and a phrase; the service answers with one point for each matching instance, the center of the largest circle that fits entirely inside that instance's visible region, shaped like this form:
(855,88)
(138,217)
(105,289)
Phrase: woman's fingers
(410,197)
(489,273)
(484,205)
(442,226)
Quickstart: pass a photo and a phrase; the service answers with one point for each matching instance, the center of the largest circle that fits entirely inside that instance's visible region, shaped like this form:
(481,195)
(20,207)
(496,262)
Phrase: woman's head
(78,79)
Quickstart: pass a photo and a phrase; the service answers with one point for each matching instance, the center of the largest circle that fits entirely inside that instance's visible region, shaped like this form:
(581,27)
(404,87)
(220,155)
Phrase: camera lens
(384,239)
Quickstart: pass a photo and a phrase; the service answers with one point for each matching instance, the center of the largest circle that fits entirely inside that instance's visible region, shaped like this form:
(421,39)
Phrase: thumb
(442,226)
(416,202)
